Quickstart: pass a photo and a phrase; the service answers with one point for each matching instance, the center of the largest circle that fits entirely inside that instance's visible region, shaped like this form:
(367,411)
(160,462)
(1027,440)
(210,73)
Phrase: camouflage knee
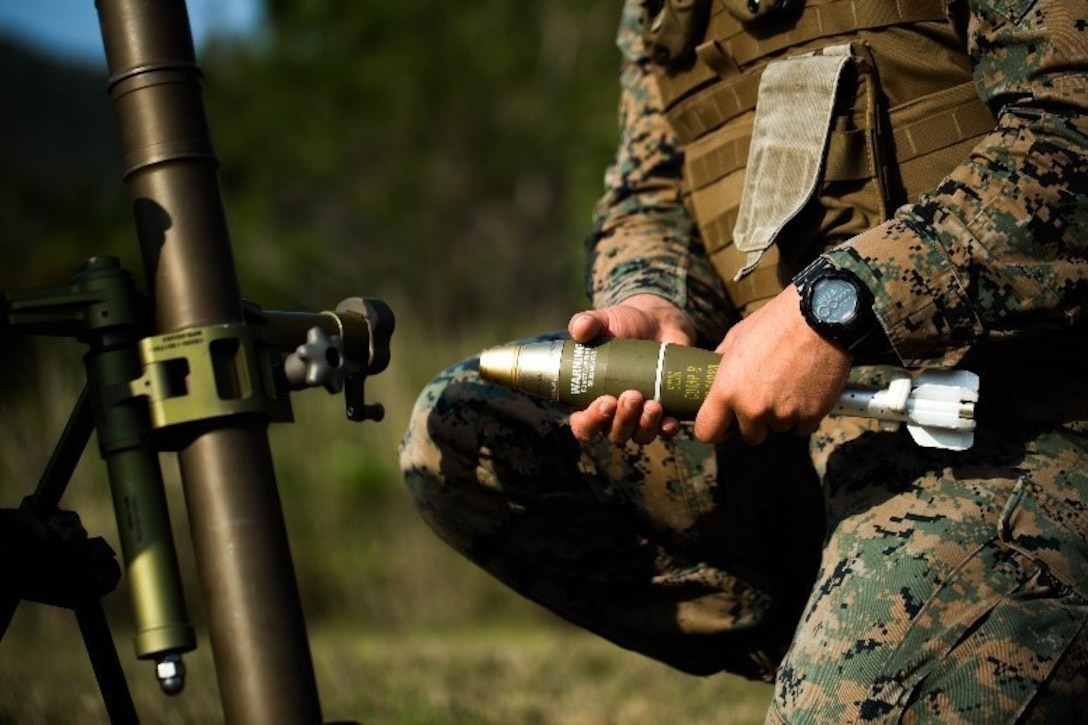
(473,450)
(952,588)
(632,543)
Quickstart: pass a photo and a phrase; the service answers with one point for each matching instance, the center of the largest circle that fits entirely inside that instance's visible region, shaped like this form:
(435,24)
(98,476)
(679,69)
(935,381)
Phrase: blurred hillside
(445,155)
(60,168)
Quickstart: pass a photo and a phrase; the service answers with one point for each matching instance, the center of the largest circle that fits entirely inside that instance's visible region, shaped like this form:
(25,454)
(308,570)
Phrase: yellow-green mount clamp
(202,373)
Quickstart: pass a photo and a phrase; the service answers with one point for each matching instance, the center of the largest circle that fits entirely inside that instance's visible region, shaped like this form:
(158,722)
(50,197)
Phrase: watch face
(834,301)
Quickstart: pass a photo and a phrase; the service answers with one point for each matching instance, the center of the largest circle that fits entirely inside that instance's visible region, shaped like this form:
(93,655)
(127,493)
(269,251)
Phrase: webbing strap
(720,104)
(920,127)
(718,232)
(931,133)
(848,151)
(717,163)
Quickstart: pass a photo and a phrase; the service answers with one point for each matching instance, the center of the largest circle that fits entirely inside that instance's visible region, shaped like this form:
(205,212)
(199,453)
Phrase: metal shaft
(258,635)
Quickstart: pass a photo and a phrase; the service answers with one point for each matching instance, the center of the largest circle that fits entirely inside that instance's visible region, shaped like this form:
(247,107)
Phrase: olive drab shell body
(677,376)
(575,374)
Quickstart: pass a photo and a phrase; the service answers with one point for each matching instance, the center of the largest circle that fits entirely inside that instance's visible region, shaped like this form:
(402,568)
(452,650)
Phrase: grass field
(402,630)
(529,675)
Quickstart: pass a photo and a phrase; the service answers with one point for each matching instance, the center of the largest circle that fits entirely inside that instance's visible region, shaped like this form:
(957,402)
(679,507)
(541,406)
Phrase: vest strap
(931,132)
(717,163)
(831,19)
(722,103)
(848,151)
(720,229)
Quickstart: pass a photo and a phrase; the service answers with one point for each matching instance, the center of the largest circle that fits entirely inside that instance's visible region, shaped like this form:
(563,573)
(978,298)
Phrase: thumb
(587,326)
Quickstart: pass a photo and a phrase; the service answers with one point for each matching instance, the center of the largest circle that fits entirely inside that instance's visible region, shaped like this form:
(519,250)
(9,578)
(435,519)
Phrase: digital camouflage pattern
(950,587)
(644,240)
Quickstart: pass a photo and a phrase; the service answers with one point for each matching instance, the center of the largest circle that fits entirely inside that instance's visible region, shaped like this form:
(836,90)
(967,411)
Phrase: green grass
(548,674)
(402,629)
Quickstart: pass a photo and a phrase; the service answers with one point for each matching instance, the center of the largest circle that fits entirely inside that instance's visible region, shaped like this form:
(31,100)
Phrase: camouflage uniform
(871,579)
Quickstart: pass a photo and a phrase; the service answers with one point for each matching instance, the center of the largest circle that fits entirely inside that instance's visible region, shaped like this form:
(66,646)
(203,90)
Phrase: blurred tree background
(443,154)
(443,157)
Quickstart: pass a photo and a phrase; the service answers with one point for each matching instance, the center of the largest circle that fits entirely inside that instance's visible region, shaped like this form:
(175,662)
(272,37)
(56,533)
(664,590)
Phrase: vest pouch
(672,32)
(896,117)
(830,207)
(748,11)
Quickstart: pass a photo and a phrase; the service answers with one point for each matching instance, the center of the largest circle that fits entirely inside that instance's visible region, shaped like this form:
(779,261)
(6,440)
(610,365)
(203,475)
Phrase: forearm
(644,241)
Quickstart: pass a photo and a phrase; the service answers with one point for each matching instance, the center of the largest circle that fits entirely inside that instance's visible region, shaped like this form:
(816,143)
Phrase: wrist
(838,306)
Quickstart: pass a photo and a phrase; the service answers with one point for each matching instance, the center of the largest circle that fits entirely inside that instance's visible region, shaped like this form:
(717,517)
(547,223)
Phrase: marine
(931,155)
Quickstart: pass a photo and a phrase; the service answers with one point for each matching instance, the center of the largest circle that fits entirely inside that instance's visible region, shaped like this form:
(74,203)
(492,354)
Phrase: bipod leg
(57,565)
(62,464)
(8,605)
(106,663)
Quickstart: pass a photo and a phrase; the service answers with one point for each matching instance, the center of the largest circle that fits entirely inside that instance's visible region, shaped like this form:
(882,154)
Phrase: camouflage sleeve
(643,239)
(999,248)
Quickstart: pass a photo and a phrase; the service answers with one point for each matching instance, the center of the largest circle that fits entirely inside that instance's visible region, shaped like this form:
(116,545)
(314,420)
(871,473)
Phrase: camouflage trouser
(951,584)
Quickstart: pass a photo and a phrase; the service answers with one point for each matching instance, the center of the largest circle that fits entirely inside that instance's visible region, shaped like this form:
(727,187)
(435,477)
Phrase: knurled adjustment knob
(318,361)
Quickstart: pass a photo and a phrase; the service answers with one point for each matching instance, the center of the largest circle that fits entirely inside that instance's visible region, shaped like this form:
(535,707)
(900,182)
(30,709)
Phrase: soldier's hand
(777,375)
(630,417)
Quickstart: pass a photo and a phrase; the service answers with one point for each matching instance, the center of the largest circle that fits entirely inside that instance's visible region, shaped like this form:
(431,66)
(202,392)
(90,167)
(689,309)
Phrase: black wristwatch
(836,304)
